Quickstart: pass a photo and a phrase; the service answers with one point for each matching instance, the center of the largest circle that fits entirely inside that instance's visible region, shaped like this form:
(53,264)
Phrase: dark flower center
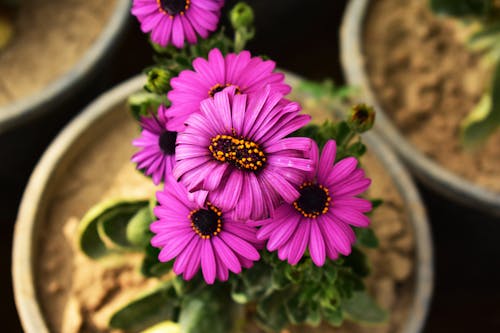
(241,153)
(173,7)
(314,200)
(206,222)
(167,142)
(219,87)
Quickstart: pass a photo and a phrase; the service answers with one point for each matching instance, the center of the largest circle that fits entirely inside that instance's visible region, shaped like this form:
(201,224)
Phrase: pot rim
(29,213)
(38,103)
(427,170)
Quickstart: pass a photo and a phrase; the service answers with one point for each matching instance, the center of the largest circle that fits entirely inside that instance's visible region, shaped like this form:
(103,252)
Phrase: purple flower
(173,21)
(248,75)
(157,143)
(200,236)
(236,149)
(321,217)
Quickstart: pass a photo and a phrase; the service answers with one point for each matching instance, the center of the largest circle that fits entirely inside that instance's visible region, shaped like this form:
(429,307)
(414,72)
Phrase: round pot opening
(75,41)
(51,278)
(413,86)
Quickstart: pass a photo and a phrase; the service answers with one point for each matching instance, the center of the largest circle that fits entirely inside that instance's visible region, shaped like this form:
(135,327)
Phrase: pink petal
(240,246)
(317,245)
(208,262)
(299,243)
(326,160)
(226,255)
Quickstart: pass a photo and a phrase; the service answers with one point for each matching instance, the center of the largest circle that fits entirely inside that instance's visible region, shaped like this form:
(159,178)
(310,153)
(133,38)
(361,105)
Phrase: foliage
(484,119)
(462,8)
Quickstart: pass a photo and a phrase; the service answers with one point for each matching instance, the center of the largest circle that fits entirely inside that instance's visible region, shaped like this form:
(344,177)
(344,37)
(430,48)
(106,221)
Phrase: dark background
(302,36)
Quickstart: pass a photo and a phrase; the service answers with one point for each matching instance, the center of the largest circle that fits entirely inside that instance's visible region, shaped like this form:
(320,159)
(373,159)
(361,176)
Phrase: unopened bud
(241,16)
(158,81)
(361,118)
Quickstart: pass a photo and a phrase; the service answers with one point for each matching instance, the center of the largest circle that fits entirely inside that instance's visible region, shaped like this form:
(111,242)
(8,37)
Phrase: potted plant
(237,257)
(435,90)
(49,49)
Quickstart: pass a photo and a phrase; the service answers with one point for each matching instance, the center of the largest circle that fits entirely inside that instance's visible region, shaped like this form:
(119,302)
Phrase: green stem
(239,41)
(345,141)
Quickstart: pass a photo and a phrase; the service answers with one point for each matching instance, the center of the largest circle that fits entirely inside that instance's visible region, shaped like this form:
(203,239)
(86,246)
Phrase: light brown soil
(428,81)
(78,295)
(50,38)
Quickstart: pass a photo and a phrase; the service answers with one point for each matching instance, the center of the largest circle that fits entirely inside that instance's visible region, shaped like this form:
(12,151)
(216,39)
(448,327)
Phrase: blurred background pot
(428,170)
(42,98)
(105,124)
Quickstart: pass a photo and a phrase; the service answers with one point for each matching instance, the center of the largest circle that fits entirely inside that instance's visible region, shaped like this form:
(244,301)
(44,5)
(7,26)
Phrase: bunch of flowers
(257,206)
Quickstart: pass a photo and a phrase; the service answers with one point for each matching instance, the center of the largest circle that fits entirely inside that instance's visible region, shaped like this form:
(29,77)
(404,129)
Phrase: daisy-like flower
(174,21)
(321,218)
(236,149)
(200,236)
(157,143)
(247,74)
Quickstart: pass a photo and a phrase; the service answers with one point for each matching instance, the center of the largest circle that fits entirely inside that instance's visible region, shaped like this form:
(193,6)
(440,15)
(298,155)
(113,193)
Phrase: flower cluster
(236,181)
(249,187)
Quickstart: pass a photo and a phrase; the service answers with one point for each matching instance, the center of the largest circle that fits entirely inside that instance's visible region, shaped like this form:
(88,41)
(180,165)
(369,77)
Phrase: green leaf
(210,310)
(112,225)
(361,308)
(253,283)
(357,149)
(376,203)
(164,327)
(486,39)
(301,309)
(366,237)
(151,308)
(138,232)
(484,118)
(358,261)
(326,89)
(461,8)
(333,315)
(151,266)
(271,311)
(143,104)
(89,239)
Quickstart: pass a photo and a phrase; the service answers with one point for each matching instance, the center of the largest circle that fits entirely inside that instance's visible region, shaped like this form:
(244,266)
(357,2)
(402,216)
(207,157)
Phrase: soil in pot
(78,295)
(50,38)
(428,81)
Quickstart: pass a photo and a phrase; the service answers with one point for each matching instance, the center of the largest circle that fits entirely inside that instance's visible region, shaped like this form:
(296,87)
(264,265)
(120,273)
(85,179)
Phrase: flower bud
(158,81)
(241,16)
(361,118)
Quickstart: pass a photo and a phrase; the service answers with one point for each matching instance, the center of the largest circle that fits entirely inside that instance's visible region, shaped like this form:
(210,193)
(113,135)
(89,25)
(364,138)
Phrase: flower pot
(477,190)
(63,62)
(89,161)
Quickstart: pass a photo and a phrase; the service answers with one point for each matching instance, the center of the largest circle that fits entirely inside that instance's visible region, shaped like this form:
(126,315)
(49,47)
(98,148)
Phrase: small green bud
(241,16)
(158,81)
(361,118)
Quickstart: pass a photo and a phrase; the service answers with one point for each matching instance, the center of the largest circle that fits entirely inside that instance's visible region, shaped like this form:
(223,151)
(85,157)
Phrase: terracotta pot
(72,81)
(427,170)
(84,130)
